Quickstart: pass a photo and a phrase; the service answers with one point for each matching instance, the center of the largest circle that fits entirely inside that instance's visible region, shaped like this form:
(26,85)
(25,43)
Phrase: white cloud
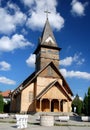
(8,21)
(78,8)
(4,66)
(75,74)
(28,2)
(70,60)
(37,16)
(67,61)
(15,42)
(7,81)
(31,60)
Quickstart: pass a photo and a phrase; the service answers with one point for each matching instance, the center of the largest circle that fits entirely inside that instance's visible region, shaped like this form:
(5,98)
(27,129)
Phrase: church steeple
(47,50)
(47,35)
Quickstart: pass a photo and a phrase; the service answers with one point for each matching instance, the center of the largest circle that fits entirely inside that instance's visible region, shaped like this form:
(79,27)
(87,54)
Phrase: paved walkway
(10,126)
(33,124)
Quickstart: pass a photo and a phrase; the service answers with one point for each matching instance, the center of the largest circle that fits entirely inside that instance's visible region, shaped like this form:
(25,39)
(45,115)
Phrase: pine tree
(89,101)
(85,104)
(77,103)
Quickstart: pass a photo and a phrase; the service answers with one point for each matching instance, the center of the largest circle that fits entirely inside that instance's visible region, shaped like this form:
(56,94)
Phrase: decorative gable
(49,71)
(54,90)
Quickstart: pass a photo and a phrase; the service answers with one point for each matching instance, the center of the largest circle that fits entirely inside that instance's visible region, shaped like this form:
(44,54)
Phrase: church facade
(45,90)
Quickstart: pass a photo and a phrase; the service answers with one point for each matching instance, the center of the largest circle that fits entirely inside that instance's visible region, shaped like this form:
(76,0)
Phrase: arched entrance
(54,105)
(45,105)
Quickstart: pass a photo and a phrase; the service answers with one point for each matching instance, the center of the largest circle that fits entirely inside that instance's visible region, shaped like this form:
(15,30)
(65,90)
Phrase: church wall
(47,55)
(69,105)
(27,103)
(42,82)
(38,106)
(65,106)
(50,53)
(13,105)
(18,102)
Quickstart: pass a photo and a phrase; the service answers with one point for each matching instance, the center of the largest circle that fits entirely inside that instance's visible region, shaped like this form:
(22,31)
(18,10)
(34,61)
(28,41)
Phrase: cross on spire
(47,12)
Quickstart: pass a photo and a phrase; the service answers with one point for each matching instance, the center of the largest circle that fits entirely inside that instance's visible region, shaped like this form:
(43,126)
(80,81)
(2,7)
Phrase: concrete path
(33,124)
(12,126)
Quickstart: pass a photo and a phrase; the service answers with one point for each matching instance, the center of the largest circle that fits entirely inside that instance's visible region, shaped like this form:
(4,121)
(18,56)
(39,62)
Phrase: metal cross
(47,12)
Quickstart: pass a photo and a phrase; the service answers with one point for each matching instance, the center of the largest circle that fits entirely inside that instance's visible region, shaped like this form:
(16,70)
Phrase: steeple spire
(47,35)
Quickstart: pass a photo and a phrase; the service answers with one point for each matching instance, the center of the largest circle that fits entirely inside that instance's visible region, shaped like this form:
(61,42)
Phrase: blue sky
(21,24)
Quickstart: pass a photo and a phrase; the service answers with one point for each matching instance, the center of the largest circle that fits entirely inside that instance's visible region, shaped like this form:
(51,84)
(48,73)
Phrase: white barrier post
(21,121)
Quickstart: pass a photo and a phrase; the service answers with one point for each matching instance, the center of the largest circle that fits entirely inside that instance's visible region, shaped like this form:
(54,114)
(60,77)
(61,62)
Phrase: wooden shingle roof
(34,75)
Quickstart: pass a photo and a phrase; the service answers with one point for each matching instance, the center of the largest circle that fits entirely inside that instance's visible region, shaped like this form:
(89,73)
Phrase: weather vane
(47,12)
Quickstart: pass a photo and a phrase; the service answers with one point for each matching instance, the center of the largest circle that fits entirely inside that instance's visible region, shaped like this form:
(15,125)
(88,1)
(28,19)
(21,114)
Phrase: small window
(30,96)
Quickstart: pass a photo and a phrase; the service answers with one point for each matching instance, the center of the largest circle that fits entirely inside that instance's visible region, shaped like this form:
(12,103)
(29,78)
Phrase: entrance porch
(52,105)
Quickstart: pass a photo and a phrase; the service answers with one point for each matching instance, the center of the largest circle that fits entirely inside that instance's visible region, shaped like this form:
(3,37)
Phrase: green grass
(71,125)
(3,121)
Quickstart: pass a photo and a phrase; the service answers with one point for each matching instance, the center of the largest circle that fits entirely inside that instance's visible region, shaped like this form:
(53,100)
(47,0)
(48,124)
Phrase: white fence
(21,121)
(85,118)
(5,115)
(62,118)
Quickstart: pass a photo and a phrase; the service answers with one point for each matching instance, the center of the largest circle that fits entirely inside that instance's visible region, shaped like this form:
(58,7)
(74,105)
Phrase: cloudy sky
(21,24)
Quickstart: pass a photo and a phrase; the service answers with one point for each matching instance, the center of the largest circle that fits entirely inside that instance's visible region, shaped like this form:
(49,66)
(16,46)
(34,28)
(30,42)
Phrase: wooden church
(45,90)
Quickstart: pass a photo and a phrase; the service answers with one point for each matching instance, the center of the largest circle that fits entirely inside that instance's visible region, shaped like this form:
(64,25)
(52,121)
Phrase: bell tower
(47,50)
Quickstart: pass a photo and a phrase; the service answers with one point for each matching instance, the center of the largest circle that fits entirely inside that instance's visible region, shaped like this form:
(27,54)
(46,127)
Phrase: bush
(1,104)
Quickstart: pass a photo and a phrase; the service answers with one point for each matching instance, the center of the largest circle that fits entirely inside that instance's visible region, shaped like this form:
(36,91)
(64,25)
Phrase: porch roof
(50,86)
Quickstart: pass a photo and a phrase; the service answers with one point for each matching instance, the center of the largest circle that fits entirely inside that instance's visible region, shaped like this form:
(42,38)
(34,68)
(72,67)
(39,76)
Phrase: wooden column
(59,105)
(40,104)
(68,105)
(50,104)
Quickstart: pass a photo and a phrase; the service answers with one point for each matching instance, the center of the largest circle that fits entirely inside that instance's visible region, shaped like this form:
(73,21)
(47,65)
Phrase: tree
(89,101)
(6,107)
(1,104)
(85,104)
(78,104)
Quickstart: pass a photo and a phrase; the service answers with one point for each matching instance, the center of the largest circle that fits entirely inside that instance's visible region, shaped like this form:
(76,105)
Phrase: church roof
(48,34)
(34,75)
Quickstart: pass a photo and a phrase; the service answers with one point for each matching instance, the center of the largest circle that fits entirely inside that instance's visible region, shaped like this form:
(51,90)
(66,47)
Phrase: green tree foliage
(1,104)
(78,104)
(89,101)
(7,107)
(82,106)
(86,103)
